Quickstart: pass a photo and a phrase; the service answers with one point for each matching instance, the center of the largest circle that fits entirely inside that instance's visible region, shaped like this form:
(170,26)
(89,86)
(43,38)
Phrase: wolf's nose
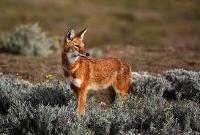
(87,54)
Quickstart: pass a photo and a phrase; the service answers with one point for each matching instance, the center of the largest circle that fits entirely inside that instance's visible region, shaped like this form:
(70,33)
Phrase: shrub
(28,40)
(50,108)
(186,84)
(174,84)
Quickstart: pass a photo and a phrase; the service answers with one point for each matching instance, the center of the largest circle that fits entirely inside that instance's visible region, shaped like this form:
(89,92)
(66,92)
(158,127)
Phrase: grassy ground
(109,22)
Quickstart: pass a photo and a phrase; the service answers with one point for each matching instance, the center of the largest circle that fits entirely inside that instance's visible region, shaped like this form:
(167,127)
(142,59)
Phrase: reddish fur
(95,72)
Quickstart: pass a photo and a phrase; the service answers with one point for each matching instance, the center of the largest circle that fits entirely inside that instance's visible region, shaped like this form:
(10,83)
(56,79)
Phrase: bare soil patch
(153,60)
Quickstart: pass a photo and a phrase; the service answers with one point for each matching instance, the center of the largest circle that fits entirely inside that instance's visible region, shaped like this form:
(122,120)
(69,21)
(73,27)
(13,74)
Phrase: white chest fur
(75,81)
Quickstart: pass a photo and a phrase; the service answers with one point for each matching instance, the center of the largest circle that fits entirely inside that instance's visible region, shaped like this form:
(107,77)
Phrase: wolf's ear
(70,35)
(81,33)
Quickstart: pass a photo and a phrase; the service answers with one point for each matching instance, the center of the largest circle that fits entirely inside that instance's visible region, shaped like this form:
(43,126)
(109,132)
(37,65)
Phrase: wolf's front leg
(82,97)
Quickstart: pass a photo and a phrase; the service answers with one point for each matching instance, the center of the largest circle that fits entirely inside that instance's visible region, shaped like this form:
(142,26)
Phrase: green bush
(28,40)
(41,109)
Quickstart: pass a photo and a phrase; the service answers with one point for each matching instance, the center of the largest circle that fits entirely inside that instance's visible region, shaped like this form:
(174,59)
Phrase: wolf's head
(74,46)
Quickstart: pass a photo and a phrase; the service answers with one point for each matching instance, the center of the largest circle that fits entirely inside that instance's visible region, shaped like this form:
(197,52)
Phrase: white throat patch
(75,81)
(72,56)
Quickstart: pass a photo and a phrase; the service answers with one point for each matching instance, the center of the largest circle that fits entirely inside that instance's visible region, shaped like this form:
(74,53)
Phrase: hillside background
(152,36)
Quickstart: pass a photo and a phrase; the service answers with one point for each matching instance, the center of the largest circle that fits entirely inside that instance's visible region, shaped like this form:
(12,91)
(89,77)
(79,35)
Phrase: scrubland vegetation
(28,40)
(167,103)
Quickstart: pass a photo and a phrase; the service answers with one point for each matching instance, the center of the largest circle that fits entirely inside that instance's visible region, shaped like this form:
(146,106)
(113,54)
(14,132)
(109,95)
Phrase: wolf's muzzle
(84,55)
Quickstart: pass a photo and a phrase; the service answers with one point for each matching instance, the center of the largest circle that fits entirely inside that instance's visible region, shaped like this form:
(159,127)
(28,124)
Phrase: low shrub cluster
(28,40)
(167,103)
